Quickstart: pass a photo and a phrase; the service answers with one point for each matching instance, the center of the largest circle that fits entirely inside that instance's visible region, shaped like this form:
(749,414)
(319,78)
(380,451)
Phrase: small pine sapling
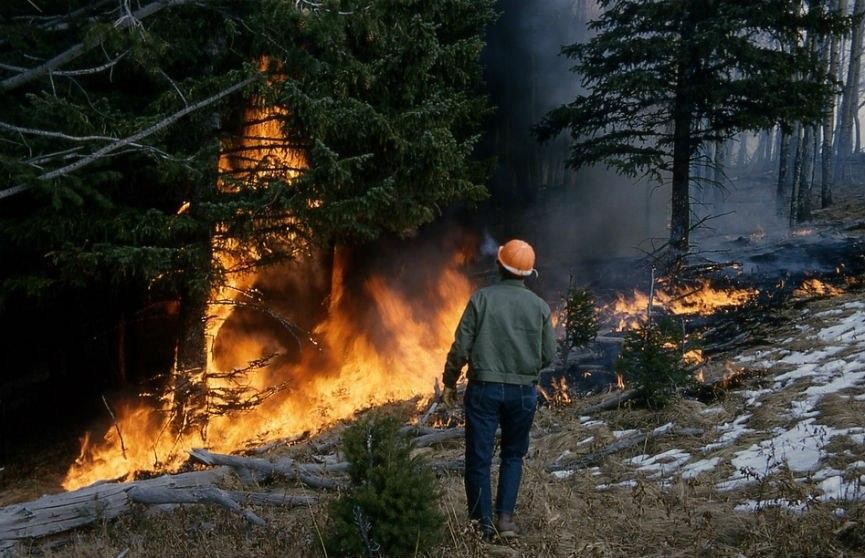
(391,507)
(579,318)
(652,362)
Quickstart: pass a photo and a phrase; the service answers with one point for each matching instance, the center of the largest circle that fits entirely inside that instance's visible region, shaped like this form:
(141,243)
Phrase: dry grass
(560,518)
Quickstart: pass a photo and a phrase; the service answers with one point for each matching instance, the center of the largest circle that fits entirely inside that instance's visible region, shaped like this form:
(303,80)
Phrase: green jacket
(504,335)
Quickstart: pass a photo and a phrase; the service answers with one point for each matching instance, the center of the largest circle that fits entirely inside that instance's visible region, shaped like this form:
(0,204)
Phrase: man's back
(504,334)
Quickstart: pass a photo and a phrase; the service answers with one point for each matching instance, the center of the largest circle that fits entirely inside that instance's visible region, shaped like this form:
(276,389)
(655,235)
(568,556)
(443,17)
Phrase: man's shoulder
(510,290)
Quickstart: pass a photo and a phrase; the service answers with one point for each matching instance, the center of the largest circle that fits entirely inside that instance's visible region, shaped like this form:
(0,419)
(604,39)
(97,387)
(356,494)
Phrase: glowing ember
(816,288)
(700,377)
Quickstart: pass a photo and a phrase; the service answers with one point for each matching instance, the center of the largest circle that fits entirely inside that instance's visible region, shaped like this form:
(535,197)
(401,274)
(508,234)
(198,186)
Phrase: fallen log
(278,498)
(612,402)
(155,495)
(56,513)
(439,436)
(257,469)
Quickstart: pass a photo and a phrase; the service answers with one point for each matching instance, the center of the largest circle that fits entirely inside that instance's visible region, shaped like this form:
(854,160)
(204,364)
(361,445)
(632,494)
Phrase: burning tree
(663,78)
(155,154)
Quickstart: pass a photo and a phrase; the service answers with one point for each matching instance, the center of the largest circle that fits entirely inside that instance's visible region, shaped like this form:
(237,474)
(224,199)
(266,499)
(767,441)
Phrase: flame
(350,367)
(620,381)
(693,357)
(700,377)
(561,392)
(814,288)
(348,371)
(702,300)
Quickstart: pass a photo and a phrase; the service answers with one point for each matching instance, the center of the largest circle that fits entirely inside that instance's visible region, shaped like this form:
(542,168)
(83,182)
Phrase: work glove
(449,397)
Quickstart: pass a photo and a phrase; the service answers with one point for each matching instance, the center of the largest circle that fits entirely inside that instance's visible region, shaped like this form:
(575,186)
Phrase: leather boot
(506,527)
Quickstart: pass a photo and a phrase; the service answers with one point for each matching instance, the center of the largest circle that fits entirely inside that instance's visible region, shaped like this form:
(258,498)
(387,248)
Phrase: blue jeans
(489,405)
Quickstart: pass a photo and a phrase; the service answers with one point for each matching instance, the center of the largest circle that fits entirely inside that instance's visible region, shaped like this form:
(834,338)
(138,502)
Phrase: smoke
(574,218)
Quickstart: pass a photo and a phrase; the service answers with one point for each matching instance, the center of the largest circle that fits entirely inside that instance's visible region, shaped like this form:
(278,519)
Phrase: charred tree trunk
(826,174)
(683,148)
(783,168)
(850,98)
(719,164)
(797,173)
(803,189)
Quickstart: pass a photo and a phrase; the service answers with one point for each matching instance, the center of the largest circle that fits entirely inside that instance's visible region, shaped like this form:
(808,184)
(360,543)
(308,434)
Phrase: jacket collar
(514,282)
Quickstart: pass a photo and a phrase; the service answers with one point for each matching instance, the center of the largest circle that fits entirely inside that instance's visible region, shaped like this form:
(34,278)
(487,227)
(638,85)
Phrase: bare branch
(79,49)
(65,73)
(131,140)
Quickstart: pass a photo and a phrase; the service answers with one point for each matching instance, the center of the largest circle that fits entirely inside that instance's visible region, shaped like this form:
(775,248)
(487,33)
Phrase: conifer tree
(662,78)
(390,509)
(113,116)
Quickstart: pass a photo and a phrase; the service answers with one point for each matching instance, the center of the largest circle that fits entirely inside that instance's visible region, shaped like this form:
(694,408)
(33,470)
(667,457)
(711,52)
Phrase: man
(506,337)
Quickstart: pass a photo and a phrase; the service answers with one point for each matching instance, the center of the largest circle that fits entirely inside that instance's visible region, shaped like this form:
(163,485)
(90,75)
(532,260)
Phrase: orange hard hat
(518,257)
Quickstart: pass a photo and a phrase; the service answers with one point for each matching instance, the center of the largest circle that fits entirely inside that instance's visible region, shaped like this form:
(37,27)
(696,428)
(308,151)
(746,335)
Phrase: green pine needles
(652,362)
(391,508)
(580,319)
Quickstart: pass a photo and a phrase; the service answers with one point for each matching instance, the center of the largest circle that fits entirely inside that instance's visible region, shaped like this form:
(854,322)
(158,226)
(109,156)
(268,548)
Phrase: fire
(681,301)
(694,357)
(620,381)
(561,393)
(352,368)
(814,288)
(349,367)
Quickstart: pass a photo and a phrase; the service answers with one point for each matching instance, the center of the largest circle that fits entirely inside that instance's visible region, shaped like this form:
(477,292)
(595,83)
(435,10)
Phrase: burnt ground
(770,467)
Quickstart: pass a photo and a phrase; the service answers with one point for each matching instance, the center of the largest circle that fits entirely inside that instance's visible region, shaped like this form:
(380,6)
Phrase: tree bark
(719,165)
(797,174)
(850,98)
(826,170)
(803,189)
(56,513)
(783,169)
(683,115)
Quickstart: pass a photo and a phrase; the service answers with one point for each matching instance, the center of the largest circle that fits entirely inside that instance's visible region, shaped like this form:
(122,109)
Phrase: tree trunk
(719,163)
(190,393)
(827,176)
(850,98)
(797,173)
(803,189)
(742,157)
(783,168)
(683,119)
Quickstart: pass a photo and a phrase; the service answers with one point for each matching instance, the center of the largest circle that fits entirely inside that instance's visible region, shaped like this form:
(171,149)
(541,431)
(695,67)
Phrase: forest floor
(772,467)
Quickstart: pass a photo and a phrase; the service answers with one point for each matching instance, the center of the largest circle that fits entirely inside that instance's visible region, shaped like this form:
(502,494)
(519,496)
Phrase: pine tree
(391,507)
(664,77)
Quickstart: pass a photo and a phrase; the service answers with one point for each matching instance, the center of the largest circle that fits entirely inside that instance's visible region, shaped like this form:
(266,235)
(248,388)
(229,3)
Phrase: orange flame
(620,381)
(682,301)
(814,288)
(350,370)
